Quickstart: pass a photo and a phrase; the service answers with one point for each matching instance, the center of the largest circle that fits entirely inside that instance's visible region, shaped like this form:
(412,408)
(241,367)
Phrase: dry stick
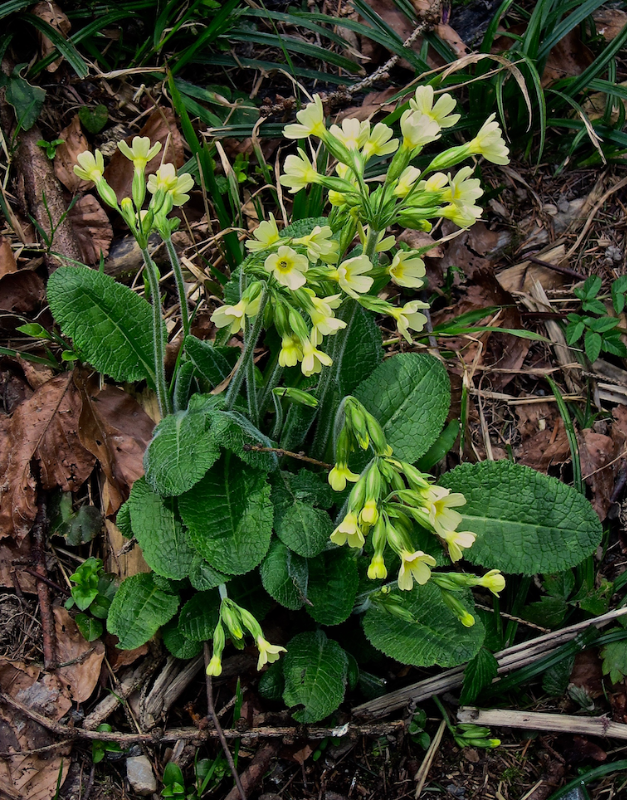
(563,723)
(47,621)
(556,268)
(218,727)
(513,657)
(257,768)
(421,776)
(131,681)
(258,449)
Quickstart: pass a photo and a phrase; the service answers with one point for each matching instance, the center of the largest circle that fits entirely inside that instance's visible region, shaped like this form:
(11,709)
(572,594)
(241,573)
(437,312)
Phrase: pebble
(140,775)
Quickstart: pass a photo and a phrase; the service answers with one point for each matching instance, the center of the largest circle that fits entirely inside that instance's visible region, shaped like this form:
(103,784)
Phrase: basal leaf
(229,516)
(177,643)
(525,521)
(199,616)
(236,433)
(362,350)
(333,582)
(210,362)
(109,324)
(435,637)
(315,670)
(284,576)
(303,227)
(203,576)
(478,674)
(138,610)
(158,530)
(409,394)
(300,526)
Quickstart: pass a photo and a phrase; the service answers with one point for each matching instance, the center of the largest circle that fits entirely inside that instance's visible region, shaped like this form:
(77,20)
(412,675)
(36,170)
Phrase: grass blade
(64,46)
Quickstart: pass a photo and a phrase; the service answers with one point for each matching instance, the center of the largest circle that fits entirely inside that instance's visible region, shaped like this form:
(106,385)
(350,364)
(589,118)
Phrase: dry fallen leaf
(12,558)
(7,259)
(160,127)
(81,677)
(544,441)
(452,39)
(92,229)
(66,156)
(372,104)
(609,22)
(51,13)
(597,452)
(43,428)
(34,775)
(21,292)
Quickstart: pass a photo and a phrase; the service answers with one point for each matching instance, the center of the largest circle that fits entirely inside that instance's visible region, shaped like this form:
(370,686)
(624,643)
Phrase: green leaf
(123,520)
(27,100)
(592,343)
(284,576)
(561,584)
(235,432)
(93,119)
(333,583)
(435,636)
(556,679)
(315,670)
(300,526)
(158,530)
(81,527)
(549,612)
(409,394)
(138,610)
(303,227)
(362,349)
(108,322)
(199,616)
(272,682)
(574,332)
(440,448)
(89,627)
(614,657)
(177,643)
(210,362)
(229,516)
(525,522)
(182,448)
(478,674)
(203,576)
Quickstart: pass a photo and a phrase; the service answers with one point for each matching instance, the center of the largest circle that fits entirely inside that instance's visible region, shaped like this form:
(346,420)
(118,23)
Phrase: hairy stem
(180,284)
(158,335)
(271,383)
(247,356)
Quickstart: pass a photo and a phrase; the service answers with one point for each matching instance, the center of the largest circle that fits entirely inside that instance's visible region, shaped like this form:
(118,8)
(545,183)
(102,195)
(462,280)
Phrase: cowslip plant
(239,509)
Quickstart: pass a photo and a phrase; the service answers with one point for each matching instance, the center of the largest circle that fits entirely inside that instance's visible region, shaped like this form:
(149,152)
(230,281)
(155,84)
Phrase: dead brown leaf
(609,22)
(122,658)
(7,259)
(587,673)
(569,57)
(51,13)
(79,678)
(12,558)
(160,127)
(596,452)
(66,156)
(92,228)
(451,37)
(417,239)
(32,776)
(43,428)
(21,292)
(544,441)
(116,430)
(373,103)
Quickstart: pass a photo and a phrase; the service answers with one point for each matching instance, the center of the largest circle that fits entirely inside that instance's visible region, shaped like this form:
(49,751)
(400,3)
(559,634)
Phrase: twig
(257,768)
(47,748)
(258,449)
(90,782)
(218,727)
(514,619)
(564,723)
(47,581)
(556,268)
(421,776)
(47,621)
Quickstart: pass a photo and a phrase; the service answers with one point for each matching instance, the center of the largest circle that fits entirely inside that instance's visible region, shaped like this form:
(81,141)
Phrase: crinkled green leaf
(229,516)
(177,643)
(409,394)
(235,432)
(123,520)
(108,323)
(272,682)
(199,616)
(26,99)
(525,521)
(284,576)
(158,530)
(138,610)
(333,582)
(210,362)
(303,227)
(478,674)
(300,526)
(89,627)
(203,576)
(435,636)
(362,348)
(315,670)
(614,657)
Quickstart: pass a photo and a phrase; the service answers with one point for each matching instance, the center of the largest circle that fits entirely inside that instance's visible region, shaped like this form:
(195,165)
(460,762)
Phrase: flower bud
(106,193)
(460,611)
(296,396)
(250,622)
(231,618)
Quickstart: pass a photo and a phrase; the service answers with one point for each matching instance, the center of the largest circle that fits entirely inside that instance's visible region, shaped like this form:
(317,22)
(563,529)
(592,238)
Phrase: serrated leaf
(138,610)
(177,643)
(525,522)
(123,520)
(229,516)
(300,526)
(159,532)
(284,576)
(315,670)
(333,582)
(592,345)
(478,674)
(108,322)
(235,432)
(182,448)
(409,394)
(272,682)
(435,637)
(303,227)
(549,612)
(209,361)
(203,576)
(614,657)
(199,616)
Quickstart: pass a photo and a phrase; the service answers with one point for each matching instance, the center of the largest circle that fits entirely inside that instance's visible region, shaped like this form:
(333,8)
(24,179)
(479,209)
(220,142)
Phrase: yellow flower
(489,143)
(409,317)
(418,129)
(406,182)
(322,317)
(299,172)
(266,235)
(229,315)
(440,112)
(457,541)
(369,513)
(414,567)
(439,504)
(435,183)
(467,620)
(339,475)
(311,119)
(493,580)
(313,359)
(215,666)
(320,244)
(353,134)
(91,166)
(462,189)
(288,267)
(462,216)
(268,652)
(291,351)
(407,269)
(168,181)
(351,275)
(378,142)
(140,152)
(376,569)
(348,531)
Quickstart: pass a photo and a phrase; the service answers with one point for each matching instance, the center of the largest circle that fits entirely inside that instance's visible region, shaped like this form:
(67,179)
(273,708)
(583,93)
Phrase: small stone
(140,775)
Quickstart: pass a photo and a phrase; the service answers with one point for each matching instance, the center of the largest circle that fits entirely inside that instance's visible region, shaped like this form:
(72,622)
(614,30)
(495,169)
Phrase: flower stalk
(158,335)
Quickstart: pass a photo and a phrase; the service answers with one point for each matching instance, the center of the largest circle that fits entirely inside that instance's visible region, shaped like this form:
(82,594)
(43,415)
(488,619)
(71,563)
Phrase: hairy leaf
(138,610)
(333,582)
(284,576)
(177,643)
(478,674)
(210,362)
(199,616)
(203,576)
(300,526)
